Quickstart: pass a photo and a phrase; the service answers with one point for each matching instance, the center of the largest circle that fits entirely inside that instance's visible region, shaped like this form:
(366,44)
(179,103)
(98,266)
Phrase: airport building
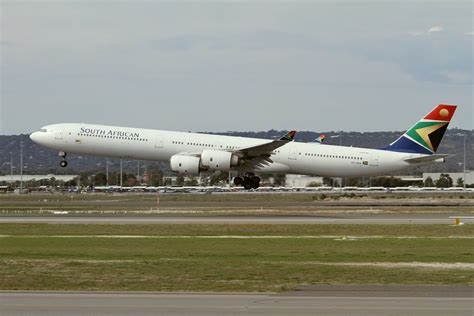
(298,181)
(36,177)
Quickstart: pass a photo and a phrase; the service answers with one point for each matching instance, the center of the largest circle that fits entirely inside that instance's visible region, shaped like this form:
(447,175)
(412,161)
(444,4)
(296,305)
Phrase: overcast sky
(219,66)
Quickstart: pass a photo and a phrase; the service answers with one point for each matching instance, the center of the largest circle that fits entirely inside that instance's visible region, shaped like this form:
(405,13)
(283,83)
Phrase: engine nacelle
(218,160)
(184,164)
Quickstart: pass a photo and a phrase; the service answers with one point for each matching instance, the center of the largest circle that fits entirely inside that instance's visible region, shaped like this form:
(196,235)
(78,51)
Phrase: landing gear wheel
(63,163)
(238,181)
(255,182)
(247,183)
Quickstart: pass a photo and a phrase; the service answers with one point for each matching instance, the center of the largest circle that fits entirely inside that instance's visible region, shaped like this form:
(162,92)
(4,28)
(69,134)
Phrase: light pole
(11,167)
(464,164)
(138,172)
(107,171)
(121,177)
(21,164)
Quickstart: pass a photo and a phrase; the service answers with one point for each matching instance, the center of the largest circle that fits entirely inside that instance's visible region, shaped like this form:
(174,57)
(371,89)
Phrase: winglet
(289,136)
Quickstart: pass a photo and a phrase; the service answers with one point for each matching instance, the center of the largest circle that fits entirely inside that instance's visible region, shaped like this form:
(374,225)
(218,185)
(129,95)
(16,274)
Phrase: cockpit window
(43,130)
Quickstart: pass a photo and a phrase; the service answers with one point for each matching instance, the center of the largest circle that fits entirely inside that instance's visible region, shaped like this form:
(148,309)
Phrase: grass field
(242,203)
(230,257)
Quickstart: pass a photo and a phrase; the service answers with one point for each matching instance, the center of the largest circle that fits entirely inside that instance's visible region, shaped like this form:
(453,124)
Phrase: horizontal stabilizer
(430,158)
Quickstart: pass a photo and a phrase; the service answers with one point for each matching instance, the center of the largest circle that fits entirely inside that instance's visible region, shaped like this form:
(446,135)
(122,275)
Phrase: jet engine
(218,160)
(184,164)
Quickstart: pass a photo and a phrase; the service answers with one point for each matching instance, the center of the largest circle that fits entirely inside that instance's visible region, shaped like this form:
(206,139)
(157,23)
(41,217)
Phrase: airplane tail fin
(321,138)
(425,136)
(289,136)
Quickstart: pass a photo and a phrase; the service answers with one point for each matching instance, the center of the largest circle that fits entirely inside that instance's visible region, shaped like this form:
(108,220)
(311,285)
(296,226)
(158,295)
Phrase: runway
(323,219)
(323,300)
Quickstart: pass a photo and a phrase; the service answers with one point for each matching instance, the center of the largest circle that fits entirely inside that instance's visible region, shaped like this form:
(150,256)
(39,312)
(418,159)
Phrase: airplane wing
(430,158)
(265,149)
(255,157)
(259,156)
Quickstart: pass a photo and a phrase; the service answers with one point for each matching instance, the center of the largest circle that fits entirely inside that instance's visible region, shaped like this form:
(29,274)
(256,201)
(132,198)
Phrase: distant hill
(39,160)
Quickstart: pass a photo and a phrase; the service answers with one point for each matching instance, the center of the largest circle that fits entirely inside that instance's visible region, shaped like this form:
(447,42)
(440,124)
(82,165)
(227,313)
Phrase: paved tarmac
(325,300)
(323,219)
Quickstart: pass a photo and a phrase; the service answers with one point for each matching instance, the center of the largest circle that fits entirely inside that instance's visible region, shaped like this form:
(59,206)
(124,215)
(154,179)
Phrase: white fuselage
(147,144)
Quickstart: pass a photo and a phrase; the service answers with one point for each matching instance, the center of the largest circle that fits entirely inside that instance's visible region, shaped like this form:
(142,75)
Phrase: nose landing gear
(63,162)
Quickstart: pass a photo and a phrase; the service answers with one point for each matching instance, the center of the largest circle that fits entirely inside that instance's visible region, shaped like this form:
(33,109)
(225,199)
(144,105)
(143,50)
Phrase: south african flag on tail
(425,136)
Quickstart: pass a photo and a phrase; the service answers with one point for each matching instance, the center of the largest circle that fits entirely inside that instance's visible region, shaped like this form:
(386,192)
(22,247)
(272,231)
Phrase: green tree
(327,181)
(191,182)
(52,182)
(71,183)
(217,177)
(100,179)
(155,176)
(429,182)
(85,179)
(444,181)
(180,180)
(459,182)
(204,180)
(167,181)
(388,182)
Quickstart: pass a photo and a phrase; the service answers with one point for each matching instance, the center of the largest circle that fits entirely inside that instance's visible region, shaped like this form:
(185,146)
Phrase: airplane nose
(35,137)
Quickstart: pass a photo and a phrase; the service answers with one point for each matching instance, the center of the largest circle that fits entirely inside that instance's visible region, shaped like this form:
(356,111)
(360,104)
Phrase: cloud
(186,60)
(470,33)
(435,29)
(458,77)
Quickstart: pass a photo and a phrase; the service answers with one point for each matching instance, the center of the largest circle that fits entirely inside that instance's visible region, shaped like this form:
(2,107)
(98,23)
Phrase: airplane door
(159,142)
(365,158)
(293,152)
(374,160)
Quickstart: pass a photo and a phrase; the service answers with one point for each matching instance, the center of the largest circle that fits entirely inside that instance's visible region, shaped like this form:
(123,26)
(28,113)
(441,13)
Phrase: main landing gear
(63,162)
(248,182)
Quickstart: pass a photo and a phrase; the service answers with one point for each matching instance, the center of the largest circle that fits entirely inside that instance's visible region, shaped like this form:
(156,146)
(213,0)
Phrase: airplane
(192,153)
